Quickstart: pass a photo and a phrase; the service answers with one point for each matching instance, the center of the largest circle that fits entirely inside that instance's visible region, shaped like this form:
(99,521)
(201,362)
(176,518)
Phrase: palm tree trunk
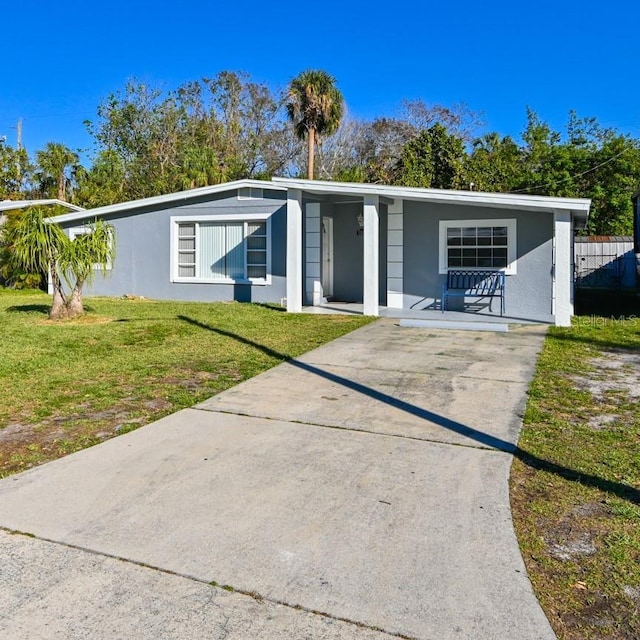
(75,307)
(312,148)
(58,309)
(61,187)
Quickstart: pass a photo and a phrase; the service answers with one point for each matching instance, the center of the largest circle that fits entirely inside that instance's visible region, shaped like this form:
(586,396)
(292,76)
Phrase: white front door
(327,256)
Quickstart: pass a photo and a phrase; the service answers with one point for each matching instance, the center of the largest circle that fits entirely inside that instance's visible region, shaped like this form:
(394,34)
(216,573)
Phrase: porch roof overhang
(579,207)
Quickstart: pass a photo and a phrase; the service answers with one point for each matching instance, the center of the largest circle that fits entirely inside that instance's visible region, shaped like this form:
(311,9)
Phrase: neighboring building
(605,262)
(8,205)
(301,242)
(11,205)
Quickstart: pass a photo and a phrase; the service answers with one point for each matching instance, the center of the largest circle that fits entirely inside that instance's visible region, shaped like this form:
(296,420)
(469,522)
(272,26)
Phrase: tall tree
(57,166)
(434,160)
(493,164)
(457,119)
(103,183)
(205,132)
(369,151)
(589,162)
(315,107)
(14,171)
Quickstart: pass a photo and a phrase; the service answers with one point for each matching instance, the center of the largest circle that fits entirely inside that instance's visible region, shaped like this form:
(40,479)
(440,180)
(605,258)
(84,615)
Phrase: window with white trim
(478,244)
(221,251)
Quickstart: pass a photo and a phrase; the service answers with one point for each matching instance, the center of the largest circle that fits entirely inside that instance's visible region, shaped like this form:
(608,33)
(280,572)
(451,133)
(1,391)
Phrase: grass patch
(575,480)
(68,385)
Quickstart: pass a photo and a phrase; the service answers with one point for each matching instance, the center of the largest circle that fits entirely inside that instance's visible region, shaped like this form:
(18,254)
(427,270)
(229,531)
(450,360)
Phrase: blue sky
(59,60)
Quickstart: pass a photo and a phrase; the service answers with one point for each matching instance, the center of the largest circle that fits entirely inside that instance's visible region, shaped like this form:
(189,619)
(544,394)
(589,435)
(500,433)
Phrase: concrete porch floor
(452,318)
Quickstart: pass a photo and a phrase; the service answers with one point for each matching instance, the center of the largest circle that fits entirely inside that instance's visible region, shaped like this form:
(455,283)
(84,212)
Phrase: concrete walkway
(358,492)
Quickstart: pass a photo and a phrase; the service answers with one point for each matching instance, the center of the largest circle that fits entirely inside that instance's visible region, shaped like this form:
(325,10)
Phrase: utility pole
(19,147)
(19,134)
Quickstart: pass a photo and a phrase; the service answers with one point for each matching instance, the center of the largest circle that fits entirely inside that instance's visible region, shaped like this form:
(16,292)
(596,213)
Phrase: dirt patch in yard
(614,372)
(580,540)
(23,446)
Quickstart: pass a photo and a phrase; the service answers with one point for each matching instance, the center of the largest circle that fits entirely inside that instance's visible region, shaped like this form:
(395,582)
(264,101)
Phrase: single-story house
(300,242)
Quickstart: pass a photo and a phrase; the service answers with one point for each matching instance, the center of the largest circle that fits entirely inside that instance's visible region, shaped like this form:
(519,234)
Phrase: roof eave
(10,205)
(501,200)
(178,196)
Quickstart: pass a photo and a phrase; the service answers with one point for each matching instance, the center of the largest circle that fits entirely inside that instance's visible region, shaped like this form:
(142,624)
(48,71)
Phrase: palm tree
(81,257)
(56,166)
(43,247)
(315,107)
(35,248)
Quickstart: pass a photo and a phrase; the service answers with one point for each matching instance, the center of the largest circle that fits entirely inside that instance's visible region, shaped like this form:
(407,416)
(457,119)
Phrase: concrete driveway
(357,492)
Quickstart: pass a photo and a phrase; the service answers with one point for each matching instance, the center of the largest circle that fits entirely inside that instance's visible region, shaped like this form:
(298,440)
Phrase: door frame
(327,256)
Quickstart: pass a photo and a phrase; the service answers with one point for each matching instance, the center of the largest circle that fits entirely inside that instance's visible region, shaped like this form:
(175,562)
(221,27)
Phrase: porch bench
(463,283)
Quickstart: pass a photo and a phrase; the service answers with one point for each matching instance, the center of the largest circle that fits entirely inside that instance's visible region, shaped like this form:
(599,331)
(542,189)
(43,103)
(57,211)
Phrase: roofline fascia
(165,198)
(439,195)
(22,204)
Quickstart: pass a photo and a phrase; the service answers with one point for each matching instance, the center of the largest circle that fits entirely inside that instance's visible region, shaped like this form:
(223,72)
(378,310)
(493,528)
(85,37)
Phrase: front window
(478,244)
(221,251)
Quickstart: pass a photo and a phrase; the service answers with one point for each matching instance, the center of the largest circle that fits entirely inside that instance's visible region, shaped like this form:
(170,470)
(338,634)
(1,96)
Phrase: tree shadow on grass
(485,440)
(40,308)
(30,308)
(603,343)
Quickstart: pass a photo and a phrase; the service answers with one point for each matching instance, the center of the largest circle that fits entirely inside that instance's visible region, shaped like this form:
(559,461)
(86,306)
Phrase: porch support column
(371,293)
(563,276)
(312,288)
(294,250)
(395,251)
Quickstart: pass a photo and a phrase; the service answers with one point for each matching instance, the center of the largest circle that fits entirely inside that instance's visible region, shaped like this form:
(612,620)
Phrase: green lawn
(65,386)
(574,484)
(574,481)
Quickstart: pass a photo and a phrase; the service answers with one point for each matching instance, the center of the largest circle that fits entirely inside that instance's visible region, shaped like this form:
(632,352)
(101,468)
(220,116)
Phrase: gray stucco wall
(348,252)
(143,254)
(142,266)
(528,292)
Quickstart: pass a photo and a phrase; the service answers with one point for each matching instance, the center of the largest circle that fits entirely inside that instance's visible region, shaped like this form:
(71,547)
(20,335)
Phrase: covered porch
(337,250)
(395,263)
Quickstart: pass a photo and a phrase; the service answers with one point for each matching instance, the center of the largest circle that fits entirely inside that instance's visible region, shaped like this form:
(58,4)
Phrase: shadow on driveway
(621,490)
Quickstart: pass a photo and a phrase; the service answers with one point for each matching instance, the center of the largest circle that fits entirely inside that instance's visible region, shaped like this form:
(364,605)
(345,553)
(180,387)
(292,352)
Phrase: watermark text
(603,321)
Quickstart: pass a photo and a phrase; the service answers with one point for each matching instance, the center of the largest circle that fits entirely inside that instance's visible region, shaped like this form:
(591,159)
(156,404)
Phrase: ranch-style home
(391,250)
